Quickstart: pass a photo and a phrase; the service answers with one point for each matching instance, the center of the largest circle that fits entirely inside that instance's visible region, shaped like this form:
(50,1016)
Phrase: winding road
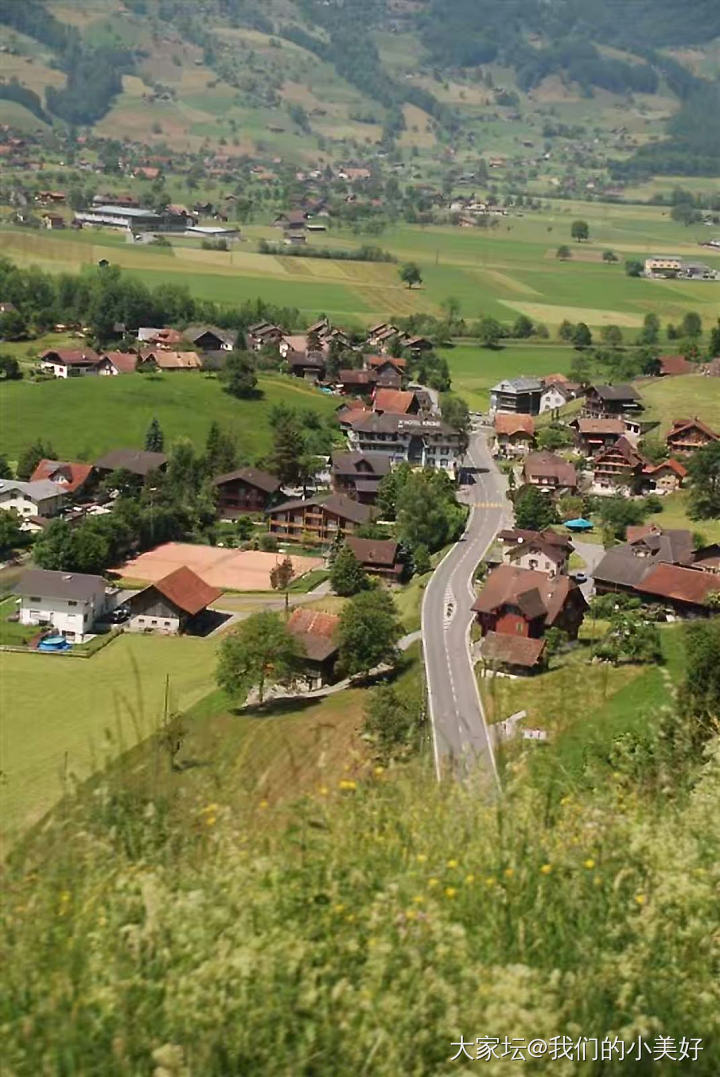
(460,734)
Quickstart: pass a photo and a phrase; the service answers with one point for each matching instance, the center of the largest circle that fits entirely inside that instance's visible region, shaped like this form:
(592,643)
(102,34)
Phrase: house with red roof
(68,476)
(526,602)
(664,478)
(70,362)
(171,605)
(113,363)
(673,365)
(689,435)
(514,433)
(395,401)
(618,468)
(316,635)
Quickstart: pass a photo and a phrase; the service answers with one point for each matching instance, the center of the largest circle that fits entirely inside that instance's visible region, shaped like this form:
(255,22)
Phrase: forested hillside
(342,72)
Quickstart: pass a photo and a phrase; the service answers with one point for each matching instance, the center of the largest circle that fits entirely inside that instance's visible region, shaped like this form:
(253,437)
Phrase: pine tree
(347,576)
(154,439)
(288,448)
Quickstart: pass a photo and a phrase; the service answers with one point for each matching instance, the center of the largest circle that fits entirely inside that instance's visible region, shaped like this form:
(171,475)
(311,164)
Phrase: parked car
(580,577)
(120,614)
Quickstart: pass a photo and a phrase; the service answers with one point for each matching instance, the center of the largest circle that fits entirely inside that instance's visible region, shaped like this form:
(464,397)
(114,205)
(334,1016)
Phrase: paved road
(459,730)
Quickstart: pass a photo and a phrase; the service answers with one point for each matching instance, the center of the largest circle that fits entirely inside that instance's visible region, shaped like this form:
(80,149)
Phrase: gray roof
(77,586)
(628,564)
(124,211)
(194,332)
(339,504)
(616,392)
(37,490)
(346,463)
(138,461)
(517,385)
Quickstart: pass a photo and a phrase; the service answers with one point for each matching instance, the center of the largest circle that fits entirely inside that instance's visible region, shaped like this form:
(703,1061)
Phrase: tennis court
(233,570)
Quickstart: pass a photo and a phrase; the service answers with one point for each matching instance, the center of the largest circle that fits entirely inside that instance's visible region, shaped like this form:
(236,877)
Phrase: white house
(70,363)
(70,602)
(553,396)
(41,498)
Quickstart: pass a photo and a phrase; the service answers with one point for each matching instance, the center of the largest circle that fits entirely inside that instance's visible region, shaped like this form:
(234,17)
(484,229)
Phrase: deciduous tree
(259,653)
(368,632)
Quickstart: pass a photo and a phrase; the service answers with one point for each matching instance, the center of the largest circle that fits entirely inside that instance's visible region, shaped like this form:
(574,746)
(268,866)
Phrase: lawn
(66,716)
(687,396)
(474,369)
(85,417)
(12,633)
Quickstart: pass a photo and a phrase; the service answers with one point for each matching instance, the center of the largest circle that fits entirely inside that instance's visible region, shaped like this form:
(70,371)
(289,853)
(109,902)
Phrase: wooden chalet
(248,489)
(171,605)
(320,519)
(379,557)
(689,435)
(619,465)
(316,634)
(523,602)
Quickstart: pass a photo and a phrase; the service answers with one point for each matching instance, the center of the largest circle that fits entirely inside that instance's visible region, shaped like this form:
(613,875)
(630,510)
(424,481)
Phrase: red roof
(381,360)
(396,401)
(315,631)
(71,356)
(556,379)
(509,424)
(673,465)
(373,551)
(66,474)
(124,362)
(675,364)
(683,426)
(187,591)
(680,584)
(512,650)
(535,593)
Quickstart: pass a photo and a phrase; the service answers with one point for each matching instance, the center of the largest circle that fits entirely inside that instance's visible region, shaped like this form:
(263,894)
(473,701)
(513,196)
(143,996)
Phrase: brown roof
(382,360)
(623,448)
(396,401)
(514,536)
(680,584)
(177,360)
(673,465)
(253,476)
(71,356)
(509,423)
(337,504)
(556,379)
(125,362)
(600,426)
(68,475)
(186,590)
(315,631)
(547,465)
(535,593)
(675,364)
(682,426)
(373,551)
(357,377)
(139,461)
(512,650)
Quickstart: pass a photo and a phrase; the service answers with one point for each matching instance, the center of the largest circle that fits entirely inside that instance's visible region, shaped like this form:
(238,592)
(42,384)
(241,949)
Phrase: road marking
(487,504)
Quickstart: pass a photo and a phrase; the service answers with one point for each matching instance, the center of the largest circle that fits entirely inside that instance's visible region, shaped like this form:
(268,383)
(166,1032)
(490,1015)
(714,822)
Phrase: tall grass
(362,932)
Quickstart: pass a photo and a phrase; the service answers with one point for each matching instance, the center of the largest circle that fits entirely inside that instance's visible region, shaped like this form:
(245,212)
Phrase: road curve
(460,734)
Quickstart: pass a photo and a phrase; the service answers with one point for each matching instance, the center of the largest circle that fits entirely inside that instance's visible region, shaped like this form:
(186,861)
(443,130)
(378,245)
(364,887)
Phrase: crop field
(73,414)
(505,270)
(65,721)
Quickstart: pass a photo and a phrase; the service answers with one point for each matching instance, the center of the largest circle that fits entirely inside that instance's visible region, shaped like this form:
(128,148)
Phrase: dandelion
(640,899)
(489,880)
(379,770)
(323,790)
(210,820)
(589,863)
(350,918)
(421,858)
(546,869)
(411,914)
(263,803)
(347,783)
(418,899)
(450,891)
(469,878)
(432,882)
(452,863)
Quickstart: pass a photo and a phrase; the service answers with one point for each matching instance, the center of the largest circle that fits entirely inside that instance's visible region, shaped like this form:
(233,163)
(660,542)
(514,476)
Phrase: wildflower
(452,863)
(411,914)
(640,899)
(546,869)
(489,880)
(210,820)
(450,891)
(589,863)
(509,872)
(418,899)
(339,907)
(350,918)
(470,878)
(379,770)
(212,808)
(263,804)
(323,790)
(565,800)
(421,858)
(65,895)
(433,882)
(347,783)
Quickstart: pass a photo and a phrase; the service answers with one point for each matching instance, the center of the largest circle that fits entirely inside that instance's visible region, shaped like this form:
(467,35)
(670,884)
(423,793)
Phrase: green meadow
(74,414)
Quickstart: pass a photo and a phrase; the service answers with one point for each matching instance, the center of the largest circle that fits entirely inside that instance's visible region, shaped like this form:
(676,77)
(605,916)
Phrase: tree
(410,274)
(714,341)
(456,414)
(534,510)
(563,252)
(368,632)
(31,457)
(393,721)
(5,469)
(609,256)
(10,533)
(259,653)
(13,326)
(53,549)
(281,576)
(566,330)
(633,268)
(489,331)
(704,470)
(347,576)
(421,560)
(288,448)
(580,368)
(691,325)
(612,335)
(700,693)
(618,513)
(580,230)
(631,637)
(220,450)
(582,337)
(553,437)
(10,368)
(239,374)
(523,327)
(154,438)
(650,332)
(427,512)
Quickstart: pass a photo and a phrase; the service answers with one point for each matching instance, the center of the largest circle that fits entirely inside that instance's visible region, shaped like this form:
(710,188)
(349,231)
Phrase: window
(71,602)
(35,598)
(154,621)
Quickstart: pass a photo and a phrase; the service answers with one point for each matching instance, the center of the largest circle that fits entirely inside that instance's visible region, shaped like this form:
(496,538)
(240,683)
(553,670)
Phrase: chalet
(70,602)
(519,395)
(113,363)
(171,362)
(606,401)
(549,472)
(208,338)
(308,365)
(686,591)
(592,435)
(40,497)
(514,433)
(138,461)
(246,490)
(171,605)
(358,474)
(673,365)
(395,401)
(382,363)
(68,477)
(418,344)
(422,442)
(689,435)
(623,568)
(263,334)
(70,363)
(362,382)
(515,655)
(378,557)
(316,634)
(524,602)
(53,221)
(293,342)
(159,338)
(541,551)
(554,396)
(664,478)
(618,468)
(318,519)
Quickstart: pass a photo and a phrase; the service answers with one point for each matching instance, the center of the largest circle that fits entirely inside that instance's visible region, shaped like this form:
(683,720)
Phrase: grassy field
(12,633)
(63,717)
(74,414)
(685,397)
(475,370)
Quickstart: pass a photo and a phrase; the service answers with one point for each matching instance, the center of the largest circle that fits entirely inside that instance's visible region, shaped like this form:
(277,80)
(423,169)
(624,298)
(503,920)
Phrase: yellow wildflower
(418,899)
(263,803)
(509,872)
(339,907)
(452,863)
(470,878)
(433,882)
(411,914)
(589,863)
(210,820)
(421,858)
(640,899)
(379,770)
(323,790)
(546,869)
(450,891)
(489,880)
(347,783)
